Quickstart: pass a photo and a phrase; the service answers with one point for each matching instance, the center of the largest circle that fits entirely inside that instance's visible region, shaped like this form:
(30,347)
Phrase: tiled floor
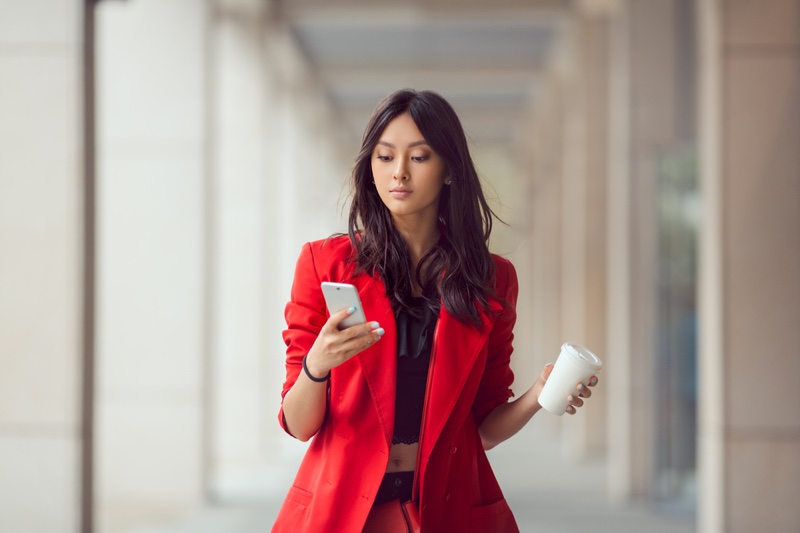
(547,493)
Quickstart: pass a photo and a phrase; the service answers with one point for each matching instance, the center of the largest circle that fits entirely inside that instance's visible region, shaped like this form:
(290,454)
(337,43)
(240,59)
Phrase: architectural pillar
(239,218)
(524,363)
(152,295)
(643,84)
(306,185)
(749,430)
(546,241)
(584,212)
(44,356)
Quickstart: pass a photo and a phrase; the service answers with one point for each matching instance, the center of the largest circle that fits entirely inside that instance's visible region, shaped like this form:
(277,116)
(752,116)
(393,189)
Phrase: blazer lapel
(379,362)
(457,347)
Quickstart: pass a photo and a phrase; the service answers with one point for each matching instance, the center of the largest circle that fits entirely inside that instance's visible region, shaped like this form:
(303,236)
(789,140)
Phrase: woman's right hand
(334,346)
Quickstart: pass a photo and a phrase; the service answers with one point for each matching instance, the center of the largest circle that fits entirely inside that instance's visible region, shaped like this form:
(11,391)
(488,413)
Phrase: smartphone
(340,296)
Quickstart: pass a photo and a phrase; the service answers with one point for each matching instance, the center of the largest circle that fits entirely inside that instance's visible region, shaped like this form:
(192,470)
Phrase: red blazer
(346,460)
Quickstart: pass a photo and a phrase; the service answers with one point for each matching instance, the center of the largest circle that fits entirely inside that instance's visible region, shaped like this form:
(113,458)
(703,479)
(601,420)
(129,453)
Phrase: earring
(448,182)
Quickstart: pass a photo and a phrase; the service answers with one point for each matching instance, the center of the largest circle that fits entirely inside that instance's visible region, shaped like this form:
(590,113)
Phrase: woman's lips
(400,193)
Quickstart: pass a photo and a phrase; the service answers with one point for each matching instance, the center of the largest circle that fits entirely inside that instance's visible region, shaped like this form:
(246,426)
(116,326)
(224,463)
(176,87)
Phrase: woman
(403,406)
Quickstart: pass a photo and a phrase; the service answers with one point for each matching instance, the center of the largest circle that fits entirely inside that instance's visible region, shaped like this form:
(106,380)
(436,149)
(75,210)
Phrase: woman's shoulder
(337,245)
(505,273)
(502,265)
(330,257)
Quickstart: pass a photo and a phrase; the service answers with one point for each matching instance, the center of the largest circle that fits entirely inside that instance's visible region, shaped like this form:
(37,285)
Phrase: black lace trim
(405,439)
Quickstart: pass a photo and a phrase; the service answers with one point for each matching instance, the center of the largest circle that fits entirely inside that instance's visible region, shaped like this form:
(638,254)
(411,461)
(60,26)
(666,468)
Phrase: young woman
(402,407)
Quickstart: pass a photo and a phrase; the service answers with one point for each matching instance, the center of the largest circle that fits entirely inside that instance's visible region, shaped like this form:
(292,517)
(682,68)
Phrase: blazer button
(447,497)
(453,450)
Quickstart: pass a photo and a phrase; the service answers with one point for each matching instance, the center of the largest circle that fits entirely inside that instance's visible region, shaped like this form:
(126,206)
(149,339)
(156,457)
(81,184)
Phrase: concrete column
(584,215)
(304,195)
(617,378)
(42,140)
(239,213)
(506,180)
(288,149)
(525,365)
(572,209)
(313,182)
(597,128)
(280,252)
(546,226)
(750,275)
(288,450)
(151,260)
(642,122)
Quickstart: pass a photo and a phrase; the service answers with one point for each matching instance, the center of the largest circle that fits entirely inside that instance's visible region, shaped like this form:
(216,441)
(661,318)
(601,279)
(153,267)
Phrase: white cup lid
(582,355)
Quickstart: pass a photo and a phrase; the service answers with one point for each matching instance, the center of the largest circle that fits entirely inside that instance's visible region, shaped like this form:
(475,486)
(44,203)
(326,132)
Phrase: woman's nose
(400,171)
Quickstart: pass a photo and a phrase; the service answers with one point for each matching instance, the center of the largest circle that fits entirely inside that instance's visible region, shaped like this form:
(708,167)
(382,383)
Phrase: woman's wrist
(531,400)
(312,375)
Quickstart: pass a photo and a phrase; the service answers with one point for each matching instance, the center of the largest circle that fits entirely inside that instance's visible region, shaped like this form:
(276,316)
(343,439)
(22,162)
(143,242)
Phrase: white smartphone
(340,296)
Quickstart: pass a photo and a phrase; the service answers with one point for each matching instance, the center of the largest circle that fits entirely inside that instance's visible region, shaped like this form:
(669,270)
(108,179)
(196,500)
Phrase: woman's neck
(419,235)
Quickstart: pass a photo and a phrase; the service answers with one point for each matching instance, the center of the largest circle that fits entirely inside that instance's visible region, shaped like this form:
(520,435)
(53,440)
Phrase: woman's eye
(384,158)
(419,158)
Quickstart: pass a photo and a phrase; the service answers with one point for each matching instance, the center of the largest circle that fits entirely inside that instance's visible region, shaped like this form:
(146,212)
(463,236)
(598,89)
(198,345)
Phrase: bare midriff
(402,458)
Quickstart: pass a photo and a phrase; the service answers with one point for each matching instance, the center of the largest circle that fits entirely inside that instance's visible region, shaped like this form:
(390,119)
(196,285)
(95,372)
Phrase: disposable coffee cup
(575,364)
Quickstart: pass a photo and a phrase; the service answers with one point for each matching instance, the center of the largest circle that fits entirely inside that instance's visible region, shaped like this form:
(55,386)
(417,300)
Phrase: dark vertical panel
(88,347)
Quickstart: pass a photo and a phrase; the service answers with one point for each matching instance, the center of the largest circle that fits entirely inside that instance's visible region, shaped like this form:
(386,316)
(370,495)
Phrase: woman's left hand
(575,399)
(508,418)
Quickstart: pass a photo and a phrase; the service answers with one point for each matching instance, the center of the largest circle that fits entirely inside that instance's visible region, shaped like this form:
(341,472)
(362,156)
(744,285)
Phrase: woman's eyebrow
(412,145)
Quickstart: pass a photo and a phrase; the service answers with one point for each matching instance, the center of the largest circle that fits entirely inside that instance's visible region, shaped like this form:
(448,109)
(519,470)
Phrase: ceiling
(485,57)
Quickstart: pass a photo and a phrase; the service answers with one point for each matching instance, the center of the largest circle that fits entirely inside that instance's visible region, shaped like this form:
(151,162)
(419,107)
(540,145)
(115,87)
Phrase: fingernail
(594,381)
(374,325)
(380,331)
(581,386)
(571,398)
(351,310)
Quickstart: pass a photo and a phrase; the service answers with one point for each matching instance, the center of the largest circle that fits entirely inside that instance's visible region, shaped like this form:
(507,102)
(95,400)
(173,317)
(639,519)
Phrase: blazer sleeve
(495,385)
(305,315)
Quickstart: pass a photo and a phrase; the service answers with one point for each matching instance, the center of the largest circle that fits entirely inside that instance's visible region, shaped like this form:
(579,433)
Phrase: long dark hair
(459,269)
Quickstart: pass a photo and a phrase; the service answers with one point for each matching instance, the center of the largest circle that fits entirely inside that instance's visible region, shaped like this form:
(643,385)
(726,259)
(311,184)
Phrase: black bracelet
(312,378)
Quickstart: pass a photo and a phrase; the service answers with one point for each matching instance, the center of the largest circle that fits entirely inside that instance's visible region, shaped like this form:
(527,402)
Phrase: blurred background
(162,162)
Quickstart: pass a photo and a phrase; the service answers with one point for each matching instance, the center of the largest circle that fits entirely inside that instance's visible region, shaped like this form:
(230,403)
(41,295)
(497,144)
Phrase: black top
(414,342)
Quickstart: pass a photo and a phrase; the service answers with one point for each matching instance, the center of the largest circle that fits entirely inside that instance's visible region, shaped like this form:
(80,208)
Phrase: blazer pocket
(299,496)
(496,517)
(290,517)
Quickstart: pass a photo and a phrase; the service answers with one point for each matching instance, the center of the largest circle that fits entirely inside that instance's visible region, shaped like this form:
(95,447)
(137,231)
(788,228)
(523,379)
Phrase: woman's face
(408,174)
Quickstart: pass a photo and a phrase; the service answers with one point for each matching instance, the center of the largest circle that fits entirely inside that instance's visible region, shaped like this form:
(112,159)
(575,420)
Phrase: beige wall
(41,271)
(750,293)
